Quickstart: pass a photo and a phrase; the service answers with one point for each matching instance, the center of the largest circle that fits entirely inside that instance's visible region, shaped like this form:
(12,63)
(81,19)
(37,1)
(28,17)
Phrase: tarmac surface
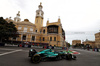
(18,56)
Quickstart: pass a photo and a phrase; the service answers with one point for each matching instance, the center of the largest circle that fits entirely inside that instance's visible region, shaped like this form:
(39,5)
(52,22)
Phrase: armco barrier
(47,47)
(2,44)
(94,49)
(26,46)
(36,46)
(99,50)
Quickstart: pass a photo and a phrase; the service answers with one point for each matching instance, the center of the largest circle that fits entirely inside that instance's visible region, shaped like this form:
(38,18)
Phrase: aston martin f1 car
(49,54)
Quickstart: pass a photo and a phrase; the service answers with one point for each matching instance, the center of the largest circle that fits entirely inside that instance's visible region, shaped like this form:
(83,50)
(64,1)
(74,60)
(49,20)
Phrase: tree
(68,44)
(7,30)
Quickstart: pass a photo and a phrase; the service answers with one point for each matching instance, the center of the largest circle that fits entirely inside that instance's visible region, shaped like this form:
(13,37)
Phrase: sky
(77,16)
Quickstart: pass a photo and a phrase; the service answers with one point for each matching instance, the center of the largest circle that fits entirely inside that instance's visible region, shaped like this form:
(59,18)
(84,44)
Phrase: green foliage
(68,45)
(7,29)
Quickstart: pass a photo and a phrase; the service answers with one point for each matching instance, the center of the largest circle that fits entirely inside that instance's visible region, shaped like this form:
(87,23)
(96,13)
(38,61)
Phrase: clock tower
(39,18)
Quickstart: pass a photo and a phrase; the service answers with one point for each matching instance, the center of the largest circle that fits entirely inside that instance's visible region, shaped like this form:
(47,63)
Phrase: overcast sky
(76,15)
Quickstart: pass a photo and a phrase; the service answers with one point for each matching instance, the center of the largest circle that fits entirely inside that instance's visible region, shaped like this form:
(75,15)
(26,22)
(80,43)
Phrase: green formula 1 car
(48,54)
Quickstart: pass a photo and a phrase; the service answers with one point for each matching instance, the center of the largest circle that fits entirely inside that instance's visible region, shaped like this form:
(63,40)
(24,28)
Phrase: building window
(24,37)
(52,29)
(19,28)
(55,29)
(38,13)
(31,29)
(40,39)
(25,29)
(50,38)
(44,31)
(33,38)
(43,39)
(35,30)
(54,38)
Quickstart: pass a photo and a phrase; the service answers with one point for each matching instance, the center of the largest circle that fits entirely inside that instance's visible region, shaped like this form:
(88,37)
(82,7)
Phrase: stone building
(97,40)
(51,34)
(89,43)
(74,42)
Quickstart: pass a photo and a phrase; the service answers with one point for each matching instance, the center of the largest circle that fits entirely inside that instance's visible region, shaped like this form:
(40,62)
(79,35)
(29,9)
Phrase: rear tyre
(35,58)
(68,56)
(59,57)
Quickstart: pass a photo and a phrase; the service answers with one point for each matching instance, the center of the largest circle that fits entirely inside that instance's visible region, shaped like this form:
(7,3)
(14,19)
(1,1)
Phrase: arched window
(24,37)
(43,39)
(19,28)
(35,30)
(31,29)
(54,38)
(50,38)
(25,29)
(33,38)
(44,31)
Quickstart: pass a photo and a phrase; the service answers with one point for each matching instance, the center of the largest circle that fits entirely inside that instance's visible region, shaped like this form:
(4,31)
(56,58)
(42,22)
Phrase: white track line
(6,49)
(10,52)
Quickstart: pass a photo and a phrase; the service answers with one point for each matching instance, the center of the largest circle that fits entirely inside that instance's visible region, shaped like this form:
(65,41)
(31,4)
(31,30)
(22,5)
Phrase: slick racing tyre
(68,56)
(59,57)
(36,58)
(73,57)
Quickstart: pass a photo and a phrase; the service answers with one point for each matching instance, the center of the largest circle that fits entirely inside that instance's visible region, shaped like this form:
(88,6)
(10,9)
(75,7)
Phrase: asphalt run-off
(18,56)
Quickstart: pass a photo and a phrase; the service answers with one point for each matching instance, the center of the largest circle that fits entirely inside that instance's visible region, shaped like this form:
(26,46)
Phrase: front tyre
(74,57)
(32,52)
(36,58)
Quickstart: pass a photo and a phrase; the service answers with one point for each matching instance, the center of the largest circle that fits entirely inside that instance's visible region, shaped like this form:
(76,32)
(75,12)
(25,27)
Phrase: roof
(25,22)
(53,23)
(89,41)
(76,40)
(97,33)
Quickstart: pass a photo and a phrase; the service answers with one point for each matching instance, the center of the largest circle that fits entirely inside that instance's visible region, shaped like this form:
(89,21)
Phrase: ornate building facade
(89,43)
(74,42)
(97,40)
(51,34)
